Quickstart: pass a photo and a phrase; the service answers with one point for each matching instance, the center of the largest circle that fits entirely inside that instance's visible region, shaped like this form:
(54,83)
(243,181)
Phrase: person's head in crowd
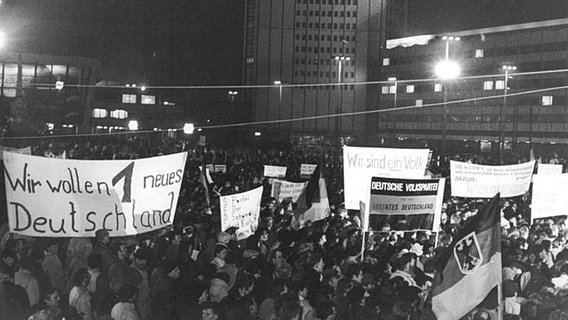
(267,222)
(51,297)
(127,293)
(103,236)
(300,288)
(232,231)
(212,311)
(287,307)
(277,287)
(369,281)
(223,238)
(243,286)
(51,247)
(480,314)
(9,258)
(27,263)
(403,263)
(219,286)
(371,257)
(6,275)
(286,237)
(356,296)
(318,238)
(354,272)
(94,261)
(221,252)
(283,271)
(81,278)
(271,203)
(315,261)
(141,257)
(325,310)
(276,256)
(120,249)
(331,278)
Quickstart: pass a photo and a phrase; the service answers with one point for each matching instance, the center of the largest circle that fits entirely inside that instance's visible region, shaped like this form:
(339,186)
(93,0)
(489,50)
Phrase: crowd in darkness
(194,270)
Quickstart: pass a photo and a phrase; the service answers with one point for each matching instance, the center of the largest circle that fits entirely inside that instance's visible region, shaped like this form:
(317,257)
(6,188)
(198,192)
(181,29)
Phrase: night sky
(199,42)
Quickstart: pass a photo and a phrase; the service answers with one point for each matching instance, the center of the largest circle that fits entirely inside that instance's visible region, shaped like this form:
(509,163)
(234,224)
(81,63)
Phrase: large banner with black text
(403,204)
(74,198)
(360,164)
(241,210)
(484,181)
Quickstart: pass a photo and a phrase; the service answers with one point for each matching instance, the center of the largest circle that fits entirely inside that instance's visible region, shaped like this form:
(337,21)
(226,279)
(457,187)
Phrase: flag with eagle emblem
(471,267)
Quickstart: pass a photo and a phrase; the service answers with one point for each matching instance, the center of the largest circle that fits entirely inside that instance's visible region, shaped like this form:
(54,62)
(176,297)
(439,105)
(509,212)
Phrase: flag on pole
(471,267)
(313,203)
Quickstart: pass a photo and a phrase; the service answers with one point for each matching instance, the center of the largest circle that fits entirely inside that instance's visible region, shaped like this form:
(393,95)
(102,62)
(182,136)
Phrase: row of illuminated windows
(144,99)
(476,118)
(323,62)
(329,25)
(316,13)
(324,50)
(544,101)
(327,74)
(323,37)
(116,114)
(349,2)
(478,53)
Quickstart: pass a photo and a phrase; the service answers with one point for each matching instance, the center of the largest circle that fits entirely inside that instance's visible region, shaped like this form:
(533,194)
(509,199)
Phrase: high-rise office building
(310,56)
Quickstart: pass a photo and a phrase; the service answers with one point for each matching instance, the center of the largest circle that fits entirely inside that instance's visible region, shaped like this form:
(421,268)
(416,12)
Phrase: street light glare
(447,69)
(2,39)
(133,125)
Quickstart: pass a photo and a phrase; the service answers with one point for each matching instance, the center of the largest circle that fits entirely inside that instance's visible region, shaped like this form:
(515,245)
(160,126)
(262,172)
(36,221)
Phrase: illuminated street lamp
(446,70)
(133,125)
(507,69)
(188,128)
(233,94)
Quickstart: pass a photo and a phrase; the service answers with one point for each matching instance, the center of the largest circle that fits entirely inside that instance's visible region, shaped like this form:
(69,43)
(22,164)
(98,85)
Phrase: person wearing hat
(218,289)
(102,240)
(402,268)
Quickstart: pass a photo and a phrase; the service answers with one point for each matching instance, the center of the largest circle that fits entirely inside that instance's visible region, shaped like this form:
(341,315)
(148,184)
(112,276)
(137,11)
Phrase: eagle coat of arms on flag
(468,254)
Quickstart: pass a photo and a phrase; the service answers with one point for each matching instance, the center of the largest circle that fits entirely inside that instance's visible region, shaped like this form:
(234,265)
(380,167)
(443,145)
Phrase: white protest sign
(274,171)
(549,196)
(549,169)
(360,164)
(483,181)
(74,198)
(306,169)
(241,210)
(26,150)
(210,168)
(221,168)
(282,190)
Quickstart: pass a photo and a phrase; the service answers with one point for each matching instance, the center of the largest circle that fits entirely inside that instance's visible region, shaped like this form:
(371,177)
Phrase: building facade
(310,56)
(511,92)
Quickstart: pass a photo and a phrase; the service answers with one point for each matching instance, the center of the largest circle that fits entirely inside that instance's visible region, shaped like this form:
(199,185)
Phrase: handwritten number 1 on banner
(126,173)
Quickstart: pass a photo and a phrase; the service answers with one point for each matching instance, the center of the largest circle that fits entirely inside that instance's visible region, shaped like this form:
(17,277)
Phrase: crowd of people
(195,270)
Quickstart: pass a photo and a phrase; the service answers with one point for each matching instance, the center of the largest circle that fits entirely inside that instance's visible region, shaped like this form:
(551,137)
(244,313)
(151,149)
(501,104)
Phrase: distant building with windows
(309,55)
(512,87)
(44,89)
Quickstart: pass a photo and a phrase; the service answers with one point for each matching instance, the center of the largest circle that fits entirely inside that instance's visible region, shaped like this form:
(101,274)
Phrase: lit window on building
(479,53)
(386,61)
(250,60)
(499,84)
(546,100)
(385,90)
(410,88)
(128,98)
(119,114)
(392,89)
(419,102)
(147,99)
(100,113)
(487,85)
(437,87)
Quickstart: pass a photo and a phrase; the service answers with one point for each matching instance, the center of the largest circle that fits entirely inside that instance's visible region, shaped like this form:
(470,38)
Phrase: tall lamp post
(507,68)
(446,70)
(340,61)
